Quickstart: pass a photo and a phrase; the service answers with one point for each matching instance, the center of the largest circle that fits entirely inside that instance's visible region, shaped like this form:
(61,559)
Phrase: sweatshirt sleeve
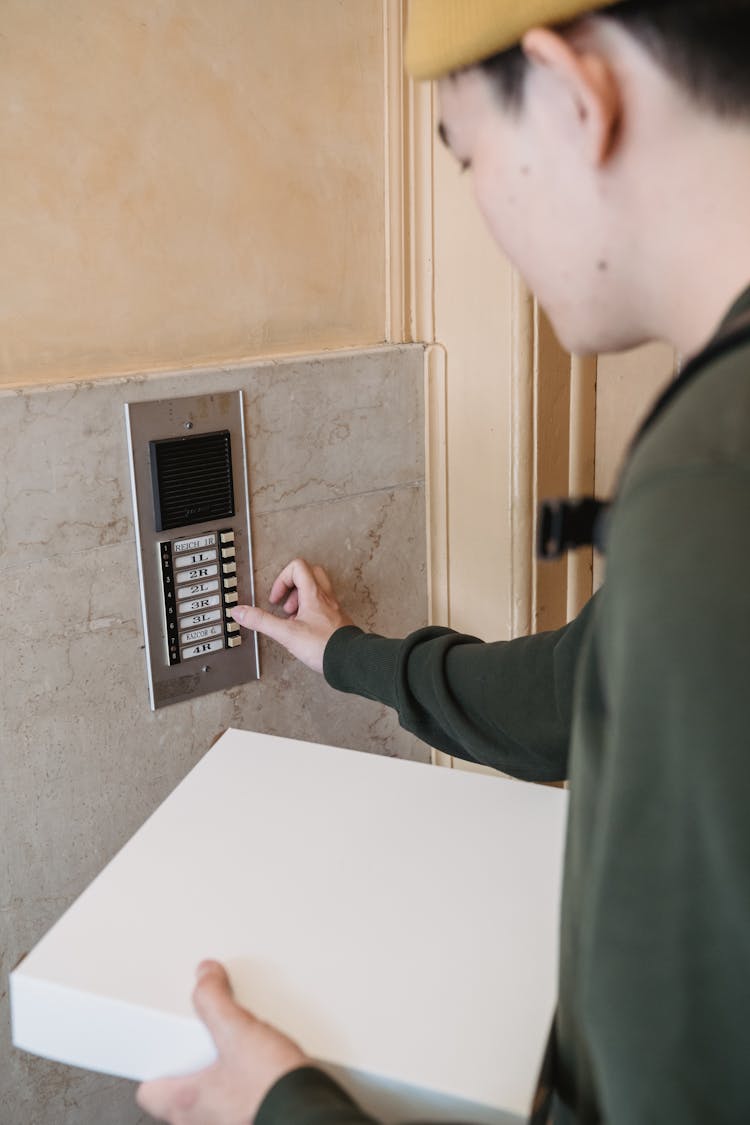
(308,1096)
(506,704)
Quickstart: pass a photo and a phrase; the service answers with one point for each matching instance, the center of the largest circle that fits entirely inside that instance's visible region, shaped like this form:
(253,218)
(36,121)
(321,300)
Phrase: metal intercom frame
(185,418)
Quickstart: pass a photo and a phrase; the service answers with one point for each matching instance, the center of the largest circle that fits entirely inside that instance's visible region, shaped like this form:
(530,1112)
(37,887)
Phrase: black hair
(701,44)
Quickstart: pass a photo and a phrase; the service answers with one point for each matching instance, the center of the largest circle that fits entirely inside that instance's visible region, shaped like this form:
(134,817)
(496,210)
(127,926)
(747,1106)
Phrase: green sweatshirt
(643,702)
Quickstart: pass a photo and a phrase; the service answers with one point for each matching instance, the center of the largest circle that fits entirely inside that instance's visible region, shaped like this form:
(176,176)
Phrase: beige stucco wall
(186,182)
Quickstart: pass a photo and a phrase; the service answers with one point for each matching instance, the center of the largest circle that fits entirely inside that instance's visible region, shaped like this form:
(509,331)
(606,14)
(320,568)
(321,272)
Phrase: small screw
(188,425)
(206,668)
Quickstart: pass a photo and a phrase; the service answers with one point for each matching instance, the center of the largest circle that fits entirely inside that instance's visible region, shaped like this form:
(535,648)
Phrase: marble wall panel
(84,761)
(318,429)
(319,439)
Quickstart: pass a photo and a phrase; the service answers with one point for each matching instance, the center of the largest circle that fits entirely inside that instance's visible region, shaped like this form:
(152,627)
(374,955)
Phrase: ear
(589,82)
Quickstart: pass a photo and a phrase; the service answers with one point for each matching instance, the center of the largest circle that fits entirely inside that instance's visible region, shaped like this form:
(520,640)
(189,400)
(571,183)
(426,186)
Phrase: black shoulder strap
(566,524)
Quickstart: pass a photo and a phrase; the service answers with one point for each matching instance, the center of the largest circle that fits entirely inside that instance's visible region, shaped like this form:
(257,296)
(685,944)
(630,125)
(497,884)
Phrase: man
(609,146)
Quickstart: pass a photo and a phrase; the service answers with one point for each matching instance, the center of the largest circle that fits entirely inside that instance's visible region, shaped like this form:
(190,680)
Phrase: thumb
(277,628)
(214,1002)
(161,1096)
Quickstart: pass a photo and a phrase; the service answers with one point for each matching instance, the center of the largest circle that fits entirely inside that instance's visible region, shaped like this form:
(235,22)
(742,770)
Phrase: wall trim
(409,233)
(523,459)
(581,472)
(436,471)
(394,141)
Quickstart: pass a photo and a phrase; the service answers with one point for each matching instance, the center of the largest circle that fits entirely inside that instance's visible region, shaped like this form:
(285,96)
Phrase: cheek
(523,224)
(498,205)
(507,205)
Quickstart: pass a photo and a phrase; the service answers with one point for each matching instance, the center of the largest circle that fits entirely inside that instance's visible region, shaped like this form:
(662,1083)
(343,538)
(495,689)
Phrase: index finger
(296,575)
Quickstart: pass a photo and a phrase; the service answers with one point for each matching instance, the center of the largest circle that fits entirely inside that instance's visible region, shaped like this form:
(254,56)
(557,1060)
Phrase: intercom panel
(188,462)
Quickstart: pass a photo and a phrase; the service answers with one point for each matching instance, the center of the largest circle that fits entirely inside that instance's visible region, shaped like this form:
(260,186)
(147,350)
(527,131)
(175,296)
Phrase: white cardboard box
(398,920)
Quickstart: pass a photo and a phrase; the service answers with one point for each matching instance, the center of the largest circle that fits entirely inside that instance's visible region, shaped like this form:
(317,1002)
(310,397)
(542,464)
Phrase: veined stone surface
(336,470)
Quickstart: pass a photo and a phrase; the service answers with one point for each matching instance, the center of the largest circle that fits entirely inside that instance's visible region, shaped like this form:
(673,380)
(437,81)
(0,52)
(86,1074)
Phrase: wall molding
(409,227)
(436,471)
(581,472)
(522,467)
(394,140)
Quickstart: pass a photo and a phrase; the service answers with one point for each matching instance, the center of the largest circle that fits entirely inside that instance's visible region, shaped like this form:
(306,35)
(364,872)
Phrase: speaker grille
(192,479)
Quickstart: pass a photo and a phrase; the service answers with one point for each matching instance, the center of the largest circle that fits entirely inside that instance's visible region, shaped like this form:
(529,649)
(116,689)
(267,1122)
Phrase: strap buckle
(564,525)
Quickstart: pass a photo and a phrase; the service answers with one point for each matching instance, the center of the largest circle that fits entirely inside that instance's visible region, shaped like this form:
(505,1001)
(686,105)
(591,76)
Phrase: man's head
(587,140)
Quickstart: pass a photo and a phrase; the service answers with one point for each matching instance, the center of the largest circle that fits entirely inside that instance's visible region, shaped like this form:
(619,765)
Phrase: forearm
(507,705)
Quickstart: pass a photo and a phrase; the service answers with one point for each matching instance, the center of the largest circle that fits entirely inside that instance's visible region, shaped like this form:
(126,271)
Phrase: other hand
(306,595)
(252,1057)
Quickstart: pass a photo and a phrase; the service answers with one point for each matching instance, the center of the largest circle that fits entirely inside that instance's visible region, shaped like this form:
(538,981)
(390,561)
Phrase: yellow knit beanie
(445,35)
